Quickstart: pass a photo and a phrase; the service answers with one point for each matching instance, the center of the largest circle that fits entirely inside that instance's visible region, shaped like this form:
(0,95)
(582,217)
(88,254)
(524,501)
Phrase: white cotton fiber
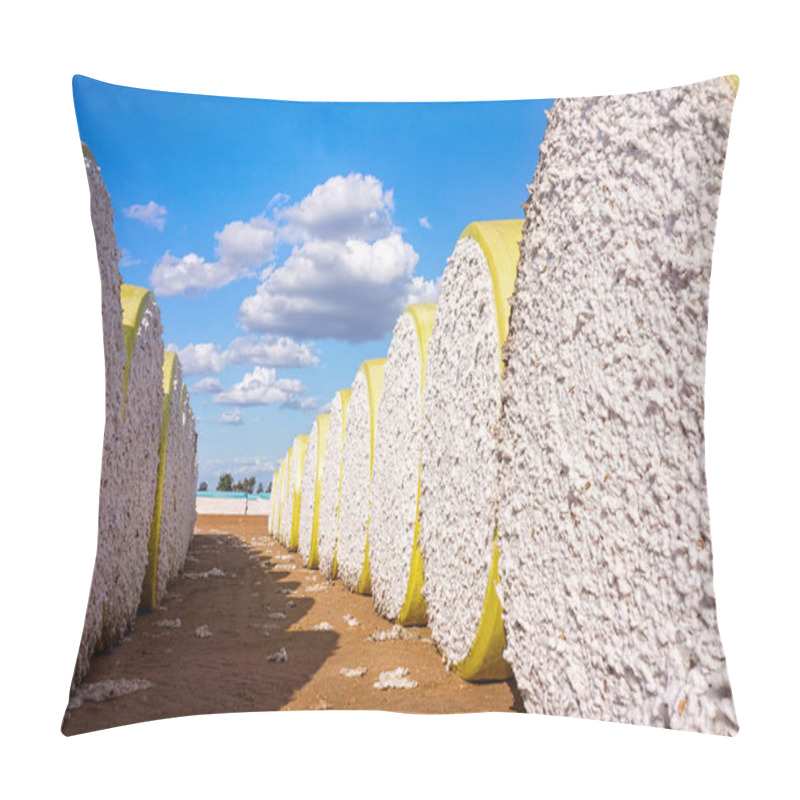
(356,475)
(108,255)
(395,475)
(461,413)
(295,490)
(273,502)
(286,497)
(328,529)
(308,526)
(605,551)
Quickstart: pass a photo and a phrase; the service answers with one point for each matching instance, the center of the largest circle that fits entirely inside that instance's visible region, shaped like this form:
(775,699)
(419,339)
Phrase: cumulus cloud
(356,206)
(152,214)
(423,222)
(352,290)
(127,259)
(263,387)
(231,417)
(266,351)
(242,248)
(207,386)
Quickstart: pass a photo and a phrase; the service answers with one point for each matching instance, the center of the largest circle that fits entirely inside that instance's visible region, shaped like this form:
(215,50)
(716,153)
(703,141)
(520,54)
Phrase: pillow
(539,525)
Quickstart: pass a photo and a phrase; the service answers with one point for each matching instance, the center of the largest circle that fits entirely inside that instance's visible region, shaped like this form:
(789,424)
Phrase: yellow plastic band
(134,301)
(149,598)
(373,373)
(323,425)
(733,80)
(345,395)
(415,610)
(299,448)
(284,465)
(287,497)
(499,240)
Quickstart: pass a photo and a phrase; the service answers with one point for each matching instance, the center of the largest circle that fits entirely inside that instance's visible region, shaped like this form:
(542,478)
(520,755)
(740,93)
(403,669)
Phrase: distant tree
(225,483)
(246,485)
(203,487)
(269,488)
(260,488)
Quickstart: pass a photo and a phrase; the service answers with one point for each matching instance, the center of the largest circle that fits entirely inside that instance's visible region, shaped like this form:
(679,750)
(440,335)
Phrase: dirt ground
(242,599)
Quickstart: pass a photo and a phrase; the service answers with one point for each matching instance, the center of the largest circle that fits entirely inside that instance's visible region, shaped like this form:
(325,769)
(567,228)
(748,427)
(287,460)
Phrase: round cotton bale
(394,557)
(312,483)
(163,528)
(273,499)
(461,414)
(296,476)
(605,551)
(286,498)
(357,460)
(126,534)
(108,256)
(187,486)
(331,489)
(281,492)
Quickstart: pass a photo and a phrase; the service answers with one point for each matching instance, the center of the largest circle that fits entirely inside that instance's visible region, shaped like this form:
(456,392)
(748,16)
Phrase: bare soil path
(243,600)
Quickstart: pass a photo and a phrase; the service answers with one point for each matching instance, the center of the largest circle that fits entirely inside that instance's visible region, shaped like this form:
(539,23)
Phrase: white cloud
(423,222)
(352,290)
(419,290)
(355,206)
(198,359)
(266,350)
(207,386)
(242,248)
(152,214)
(246,245)
(262,387)
(270,351)
(128,260)
(231,417)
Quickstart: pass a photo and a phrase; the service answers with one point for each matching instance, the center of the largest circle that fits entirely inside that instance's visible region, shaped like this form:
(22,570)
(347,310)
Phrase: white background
(52,385)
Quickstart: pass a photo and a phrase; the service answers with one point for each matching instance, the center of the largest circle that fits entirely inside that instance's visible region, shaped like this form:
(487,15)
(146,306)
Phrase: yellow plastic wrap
(344,395)
(323,425)
(414,610)
(372,370)
(149,598)
(299,460)
(281,504)
(134,301)
(286,519)
(499,240)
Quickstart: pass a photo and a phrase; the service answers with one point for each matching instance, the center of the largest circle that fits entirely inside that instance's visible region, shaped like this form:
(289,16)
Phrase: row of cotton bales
(149,465)
(559,471)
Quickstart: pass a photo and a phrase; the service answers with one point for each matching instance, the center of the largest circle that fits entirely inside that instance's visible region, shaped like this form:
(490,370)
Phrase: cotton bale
(394,557)
(296,476)
(108,256)
(461,414)
(286,497)
(330,492)
(357,460)
(308,527)
(605,550)
(273,498)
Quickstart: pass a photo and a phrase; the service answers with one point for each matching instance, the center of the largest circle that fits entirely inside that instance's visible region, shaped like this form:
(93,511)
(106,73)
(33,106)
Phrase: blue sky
(283,239)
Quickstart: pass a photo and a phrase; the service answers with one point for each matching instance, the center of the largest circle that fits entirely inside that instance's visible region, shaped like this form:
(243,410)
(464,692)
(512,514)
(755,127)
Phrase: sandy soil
(263,603)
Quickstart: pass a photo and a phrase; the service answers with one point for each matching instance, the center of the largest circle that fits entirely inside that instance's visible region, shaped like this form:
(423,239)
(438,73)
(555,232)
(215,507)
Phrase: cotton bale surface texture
(461,414)
(605,553)
(394,558)
(357,460)
(298,462)
(310,495)
(187,483)
(164,526)
(286,498)
(330,492)
(108,256)
(126,533)
(279,514)
(273,502)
